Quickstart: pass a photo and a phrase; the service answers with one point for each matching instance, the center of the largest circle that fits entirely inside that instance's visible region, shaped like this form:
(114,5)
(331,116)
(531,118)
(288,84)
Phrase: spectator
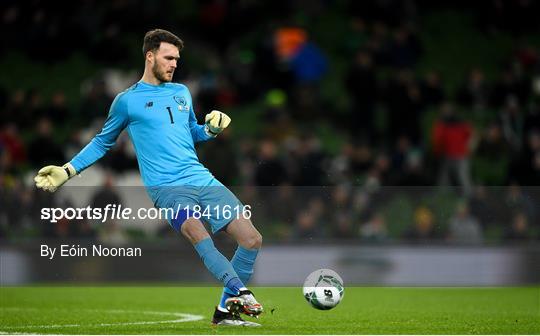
(475,92)
(119,158)
(12,144)
(308,221)
(307,161)
(65,227)
(277,122)
(431,89)
(269,171)
(519,229)
(423,229)
(532,119)
(307,226)
(106,194)
(44,148)
(534,178)
(511,120)
(112,234)
(361,159)
(451,141)
(309,64)
(74,143)
(16,215)
(84,229)
(414,172)
(110,231)
(518,201)
(41,200)
(492,156)
(58,111)
(405,49)
(379,45)
(16,110)
(492,145)
(36,109)
(487,206)
(340,170)
(405,107)
(379,173)
(374,229)
(95,102)
(463,227)
(402,149)
(362,86)
(525,166)
(341,216)
(343,226)
(357,35)
(511,85)
(284,195)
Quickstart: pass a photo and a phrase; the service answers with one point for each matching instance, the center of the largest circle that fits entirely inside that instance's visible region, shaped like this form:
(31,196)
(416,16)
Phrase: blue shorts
(214,204)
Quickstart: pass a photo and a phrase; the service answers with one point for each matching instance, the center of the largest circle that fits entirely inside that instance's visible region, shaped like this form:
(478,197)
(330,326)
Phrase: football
(323,289)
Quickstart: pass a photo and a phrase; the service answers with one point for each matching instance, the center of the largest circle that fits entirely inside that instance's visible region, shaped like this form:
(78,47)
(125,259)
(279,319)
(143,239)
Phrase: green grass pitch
(364,310)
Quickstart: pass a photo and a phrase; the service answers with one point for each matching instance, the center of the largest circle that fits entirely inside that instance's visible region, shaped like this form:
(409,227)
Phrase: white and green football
(323,289)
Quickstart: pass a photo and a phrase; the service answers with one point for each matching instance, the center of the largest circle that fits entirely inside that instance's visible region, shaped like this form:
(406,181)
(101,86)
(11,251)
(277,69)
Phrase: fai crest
(180,100)
(182,103)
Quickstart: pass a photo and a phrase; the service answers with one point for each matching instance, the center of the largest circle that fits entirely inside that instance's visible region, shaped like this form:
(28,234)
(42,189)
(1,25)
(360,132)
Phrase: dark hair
(153,39)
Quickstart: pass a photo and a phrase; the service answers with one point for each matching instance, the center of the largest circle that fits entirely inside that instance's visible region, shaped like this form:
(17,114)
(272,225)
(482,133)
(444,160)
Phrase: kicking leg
(214,261)
(219,266)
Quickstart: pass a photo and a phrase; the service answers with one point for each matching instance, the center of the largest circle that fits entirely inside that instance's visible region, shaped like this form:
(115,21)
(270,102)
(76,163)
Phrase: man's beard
(160,76)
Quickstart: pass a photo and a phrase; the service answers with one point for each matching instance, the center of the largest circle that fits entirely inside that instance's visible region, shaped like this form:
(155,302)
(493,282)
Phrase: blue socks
(242,262)
(218,265)
(233,274)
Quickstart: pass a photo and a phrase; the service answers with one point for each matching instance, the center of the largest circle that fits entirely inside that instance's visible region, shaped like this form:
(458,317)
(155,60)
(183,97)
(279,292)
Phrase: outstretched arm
(50,178)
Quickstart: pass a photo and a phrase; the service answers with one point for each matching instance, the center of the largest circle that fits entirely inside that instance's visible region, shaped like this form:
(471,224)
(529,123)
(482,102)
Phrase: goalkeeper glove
(216,122)
(50,178)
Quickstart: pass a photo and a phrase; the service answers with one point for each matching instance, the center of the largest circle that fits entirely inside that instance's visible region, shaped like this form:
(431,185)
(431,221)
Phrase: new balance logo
(223,277)
(149,104)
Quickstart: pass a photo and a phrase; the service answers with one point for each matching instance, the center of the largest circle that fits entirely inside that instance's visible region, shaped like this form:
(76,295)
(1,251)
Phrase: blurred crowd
(397,123)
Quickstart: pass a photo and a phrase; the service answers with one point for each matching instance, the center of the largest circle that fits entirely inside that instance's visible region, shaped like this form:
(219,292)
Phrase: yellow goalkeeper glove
(50,178)
(216,122)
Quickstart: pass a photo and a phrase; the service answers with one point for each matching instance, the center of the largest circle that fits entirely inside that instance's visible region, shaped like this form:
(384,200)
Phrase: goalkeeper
(161,123)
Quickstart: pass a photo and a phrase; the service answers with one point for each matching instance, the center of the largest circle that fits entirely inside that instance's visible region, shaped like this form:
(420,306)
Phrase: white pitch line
(182,318)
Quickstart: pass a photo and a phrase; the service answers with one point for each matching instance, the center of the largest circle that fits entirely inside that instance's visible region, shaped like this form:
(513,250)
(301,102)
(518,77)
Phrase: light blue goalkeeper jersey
(163,129)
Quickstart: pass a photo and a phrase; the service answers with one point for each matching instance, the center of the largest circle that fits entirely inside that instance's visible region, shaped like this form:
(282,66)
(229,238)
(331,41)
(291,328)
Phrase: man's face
(164,62)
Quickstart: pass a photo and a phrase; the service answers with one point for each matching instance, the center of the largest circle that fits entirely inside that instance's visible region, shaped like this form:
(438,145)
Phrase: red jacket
(14,146)
(451,138)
